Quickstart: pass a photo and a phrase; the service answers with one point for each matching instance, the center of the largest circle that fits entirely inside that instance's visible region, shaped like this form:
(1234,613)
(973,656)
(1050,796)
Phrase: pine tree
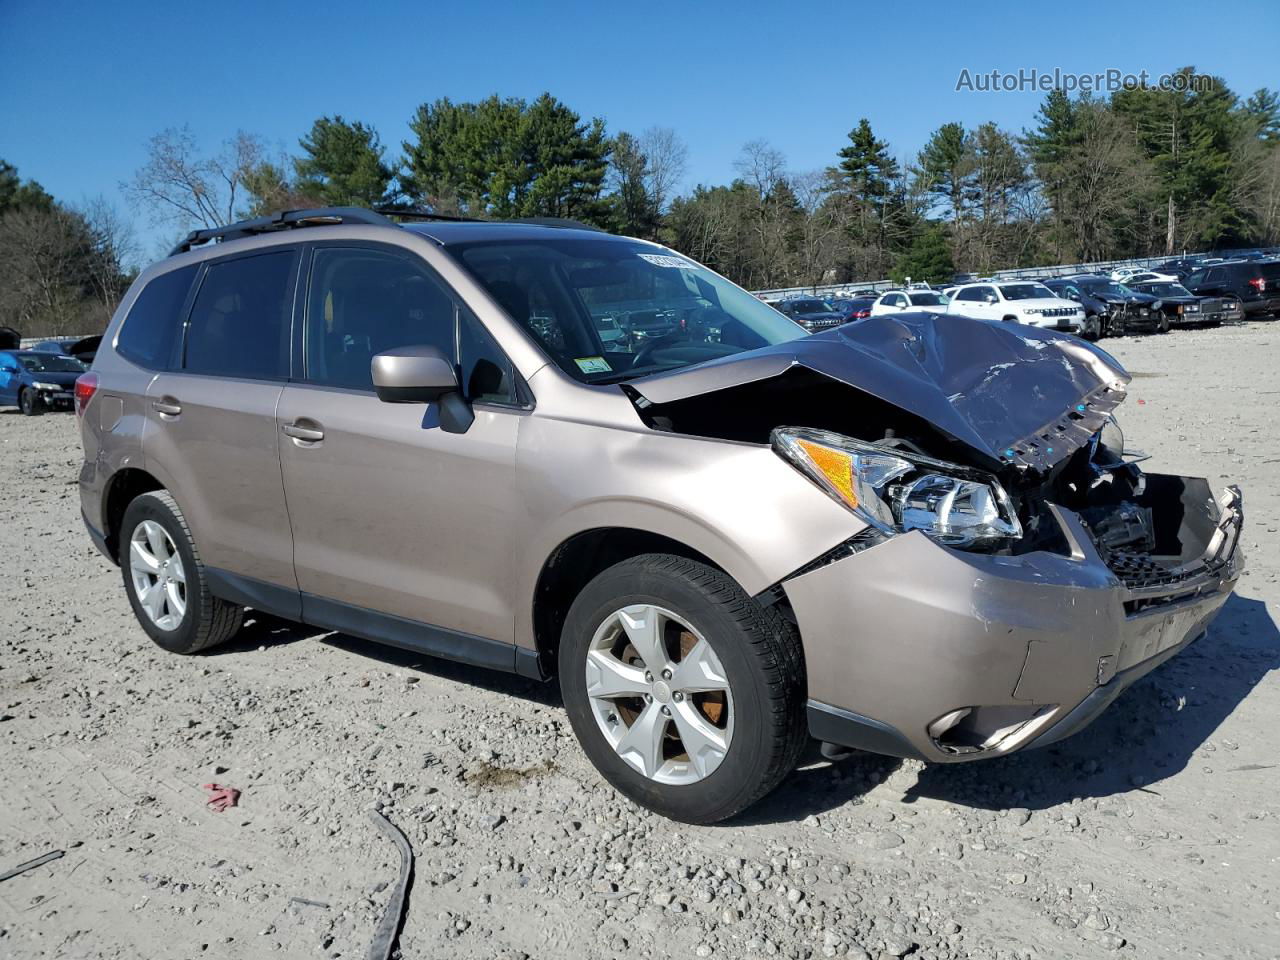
(342,164)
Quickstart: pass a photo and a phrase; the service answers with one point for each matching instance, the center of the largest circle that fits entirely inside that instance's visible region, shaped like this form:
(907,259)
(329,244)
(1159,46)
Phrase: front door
(396,523)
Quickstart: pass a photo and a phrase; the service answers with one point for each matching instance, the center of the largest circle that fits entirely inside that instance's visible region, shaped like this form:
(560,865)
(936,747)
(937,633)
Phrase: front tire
(30,404)
(686,695)
(165,580)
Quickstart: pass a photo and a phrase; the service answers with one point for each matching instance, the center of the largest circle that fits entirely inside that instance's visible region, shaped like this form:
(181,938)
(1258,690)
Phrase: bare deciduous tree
(178,185)
(666,159)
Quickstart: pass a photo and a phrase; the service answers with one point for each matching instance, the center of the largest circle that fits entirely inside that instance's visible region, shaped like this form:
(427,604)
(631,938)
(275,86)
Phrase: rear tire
(30,404)
(761,716)
(165,579)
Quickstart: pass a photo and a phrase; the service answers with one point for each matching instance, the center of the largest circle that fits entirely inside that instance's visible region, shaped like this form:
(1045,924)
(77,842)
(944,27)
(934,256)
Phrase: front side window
(363,301)
(239,324)
(148,332)
(608,309)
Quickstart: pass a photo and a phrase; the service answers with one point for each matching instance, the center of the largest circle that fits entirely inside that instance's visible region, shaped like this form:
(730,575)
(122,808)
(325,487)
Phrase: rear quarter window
(1270,270)
(148,332)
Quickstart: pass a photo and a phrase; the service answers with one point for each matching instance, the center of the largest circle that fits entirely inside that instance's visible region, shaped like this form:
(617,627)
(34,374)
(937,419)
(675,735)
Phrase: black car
(1185,309)
(811,313)
(853,308)
(1097,312)
(1255,283)
(1127,310)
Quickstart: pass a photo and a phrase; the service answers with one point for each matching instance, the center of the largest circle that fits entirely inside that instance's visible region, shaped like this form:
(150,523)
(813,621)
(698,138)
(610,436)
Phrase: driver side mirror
(422,374)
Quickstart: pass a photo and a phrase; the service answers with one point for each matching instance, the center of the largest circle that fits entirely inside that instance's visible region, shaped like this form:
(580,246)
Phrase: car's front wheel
(686,694)
(165,579)
(30,404)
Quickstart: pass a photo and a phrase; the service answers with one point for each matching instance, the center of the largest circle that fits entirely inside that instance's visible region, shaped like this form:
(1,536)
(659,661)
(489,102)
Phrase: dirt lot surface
(1156,833)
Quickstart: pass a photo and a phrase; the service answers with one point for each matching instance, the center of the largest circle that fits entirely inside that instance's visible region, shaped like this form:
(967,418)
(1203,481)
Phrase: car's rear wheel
(165,579)
(30,404)
(686,694)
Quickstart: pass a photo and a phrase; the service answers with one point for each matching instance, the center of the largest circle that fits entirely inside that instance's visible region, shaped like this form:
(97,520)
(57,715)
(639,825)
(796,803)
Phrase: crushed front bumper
(918,650)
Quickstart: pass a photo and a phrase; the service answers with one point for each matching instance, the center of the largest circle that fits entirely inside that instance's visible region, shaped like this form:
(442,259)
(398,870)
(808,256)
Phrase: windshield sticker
(659,260)
(593,364)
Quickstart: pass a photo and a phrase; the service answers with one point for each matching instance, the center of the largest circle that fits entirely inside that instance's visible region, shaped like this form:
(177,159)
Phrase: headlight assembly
(898,490)
(39,385)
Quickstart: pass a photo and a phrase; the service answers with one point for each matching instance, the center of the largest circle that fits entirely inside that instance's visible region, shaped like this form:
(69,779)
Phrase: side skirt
(373,625)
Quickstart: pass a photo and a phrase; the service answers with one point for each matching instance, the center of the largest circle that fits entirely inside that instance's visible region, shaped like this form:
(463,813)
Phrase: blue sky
(83,85)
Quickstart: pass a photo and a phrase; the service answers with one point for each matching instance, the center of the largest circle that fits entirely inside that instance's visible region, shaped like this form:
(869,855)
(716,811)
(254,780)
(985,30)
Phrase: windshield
(670,311)
(1166,289)
(1026,291)
(51,363)
(1106,286)
(808,306)
(927,299)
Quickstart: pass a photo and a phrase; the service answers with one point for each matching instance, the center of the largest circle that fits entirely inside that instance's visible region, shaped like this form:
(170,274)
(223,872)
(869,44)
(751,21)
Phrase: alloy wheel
(159,579)
(659,694)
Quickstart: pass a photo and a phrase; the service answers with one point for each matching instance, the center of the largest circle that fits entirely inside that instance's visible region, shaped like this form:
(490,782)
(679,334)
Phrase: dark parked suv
(914,534)
(1255,283)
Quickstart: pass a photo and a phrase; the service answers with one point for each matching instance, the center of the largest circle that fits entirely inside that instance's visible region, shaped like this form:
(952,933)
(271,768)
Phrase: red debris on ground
(220,797)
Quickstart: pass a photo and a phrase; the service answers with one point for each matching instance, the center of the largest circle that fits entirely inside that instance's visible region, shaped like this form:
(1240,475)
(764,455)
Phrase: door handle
(166,407)
(298,431)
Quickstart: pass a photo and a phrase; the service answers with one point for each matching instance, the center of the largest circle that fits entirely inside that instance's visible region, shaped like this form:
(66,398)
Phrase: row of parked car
(1180,293)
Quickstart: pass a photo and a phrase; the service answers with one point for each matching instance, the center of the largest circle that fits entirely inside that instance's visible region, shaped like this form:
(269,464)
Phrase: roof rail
(417,213)
(283,220)
(556,222)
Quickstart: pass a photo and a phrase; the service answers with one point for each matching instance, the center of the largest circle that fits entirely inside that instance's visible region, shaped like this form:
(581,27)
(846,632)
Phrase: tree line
(61,267)
(1148,171)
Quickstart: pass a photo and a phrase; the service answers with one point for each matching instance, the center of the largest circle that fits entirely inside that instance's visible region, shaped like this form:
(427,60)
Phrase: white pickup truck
(1017,301)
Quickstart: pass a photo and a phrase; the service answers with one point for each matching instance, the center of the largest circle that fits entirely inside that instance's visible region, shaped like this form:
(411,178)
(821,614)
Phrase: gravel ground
(1155,833)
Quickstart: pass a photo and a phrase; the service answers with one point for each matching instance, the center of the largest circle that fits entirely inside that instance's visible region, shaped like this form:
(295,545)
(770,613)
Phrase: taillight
(862,314)
(1258,284)
(86,387)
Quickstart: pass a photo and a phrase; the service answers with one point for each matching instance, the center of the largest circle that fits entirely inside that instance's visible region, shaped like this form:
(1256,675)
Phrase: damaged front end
(1017,569)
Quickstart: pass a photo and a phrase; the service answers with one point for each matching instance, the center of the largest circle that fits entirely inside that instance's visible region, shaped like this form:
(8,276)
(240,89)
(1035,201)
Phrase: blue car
(35,381)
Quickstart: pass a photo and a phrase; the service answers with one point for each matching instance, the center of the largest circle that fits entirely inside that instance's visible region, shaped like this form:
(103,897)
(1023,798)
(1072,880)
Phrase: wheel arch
(125,486)
(575,562)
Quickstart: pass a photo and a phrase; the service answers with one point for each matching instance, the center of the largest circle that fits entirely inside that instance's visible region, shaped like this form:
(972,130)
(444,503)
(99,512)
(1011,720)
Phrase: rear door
(399,527)
(211,429)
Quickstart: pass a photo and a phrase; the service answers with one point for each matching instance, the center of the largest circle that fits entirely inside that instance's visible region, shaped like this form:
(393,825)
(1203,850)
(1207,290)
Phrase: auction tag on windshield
(661,260)
(593,364)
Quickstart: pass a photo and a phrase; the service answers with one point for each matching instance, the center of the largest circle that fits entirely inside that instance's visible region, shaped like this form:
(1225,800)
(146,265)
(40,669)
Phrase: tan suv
(915,535)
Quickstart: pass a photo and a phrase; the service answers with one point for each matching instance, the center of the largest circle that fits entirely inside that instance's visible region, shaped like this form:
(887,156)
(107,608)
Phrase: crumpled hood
(1016,394)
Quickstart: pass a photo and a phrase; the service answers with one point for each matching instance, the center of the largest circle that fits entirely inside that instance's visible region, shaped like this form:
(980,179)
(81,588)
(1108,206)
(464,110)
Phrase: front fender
(738,504)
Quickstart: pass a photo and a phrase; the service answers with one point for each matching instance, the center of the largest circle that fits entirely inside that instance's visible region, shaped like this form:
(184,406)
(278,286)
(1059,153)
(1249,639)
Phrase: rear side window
(1270,270)
(239,323)
(148,332)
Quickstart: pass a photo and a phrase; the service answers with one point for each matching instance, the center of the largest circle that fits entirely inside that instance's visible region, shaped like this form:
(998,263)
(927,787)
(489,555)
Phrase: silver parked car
(914,535)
